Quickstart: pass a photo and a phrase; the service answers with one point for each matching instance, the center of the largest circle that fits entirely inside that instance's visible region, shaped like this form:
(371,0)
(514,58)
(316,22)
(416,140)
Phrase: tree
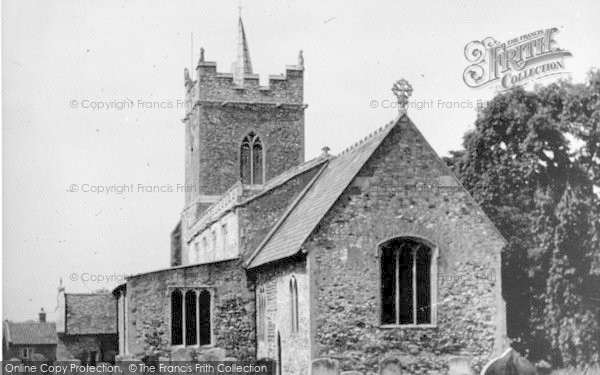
(525,149)
(516,149)
(572,316)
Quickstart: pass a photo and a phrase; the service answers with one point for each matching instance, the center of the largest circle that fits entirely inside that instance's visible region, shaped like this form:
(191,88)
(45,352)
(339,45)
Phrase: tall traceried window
(191,311)
(261,324)
(294,304)
(407,282)
(251,160)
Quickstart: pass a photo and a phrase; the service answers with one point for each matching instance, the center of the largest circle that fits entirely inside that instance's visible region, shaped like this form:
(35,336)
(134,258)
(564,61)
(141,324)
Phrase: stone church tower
(237,130)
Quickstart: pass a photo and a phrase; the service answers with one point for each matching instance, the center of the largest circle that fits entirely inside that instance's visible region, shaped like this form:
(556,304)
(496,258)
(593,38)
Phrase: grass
(594,370)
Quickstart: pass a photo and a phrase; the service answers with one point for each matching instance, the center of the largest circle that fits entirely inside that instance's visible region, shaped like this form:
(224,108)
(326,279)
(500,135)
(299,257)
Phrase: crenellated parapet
(214,87)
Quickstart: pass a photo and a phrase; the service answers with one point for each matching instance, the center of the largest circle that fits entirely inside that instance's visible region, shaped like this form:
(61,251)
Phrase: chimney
(42,316)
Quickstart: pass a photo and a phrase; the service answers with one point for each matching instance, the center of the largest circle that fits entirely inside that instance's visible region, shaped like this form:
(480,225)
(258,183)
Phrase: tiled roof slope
(305,214)
(232,197)
(90,314)
(287,175)
(31,333)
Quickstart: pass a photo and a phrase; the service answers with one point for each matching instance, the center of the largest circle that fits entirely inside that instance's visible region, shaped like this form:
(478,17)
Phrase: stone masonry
(383,203)
(321,224)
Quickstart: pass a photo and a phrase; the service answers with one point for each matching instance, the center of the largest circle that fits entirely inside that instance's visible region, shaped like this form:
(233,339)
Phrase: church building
(375,252)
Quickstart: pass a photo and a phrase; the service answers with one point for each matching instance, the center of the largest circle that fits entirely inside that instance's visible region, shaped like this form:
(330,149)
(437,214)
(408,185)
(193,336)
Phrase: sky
(62,57)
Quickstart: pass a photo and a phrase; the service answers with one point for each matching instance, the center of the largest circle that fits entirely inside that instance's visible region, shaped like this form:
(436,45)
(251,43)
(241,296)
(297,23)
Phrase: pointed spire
(242,65)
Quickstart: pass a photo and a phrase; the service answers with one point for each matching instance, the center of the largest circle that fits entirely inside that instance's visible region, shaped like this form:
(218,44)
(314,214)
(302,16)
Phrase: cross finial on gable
(402,91)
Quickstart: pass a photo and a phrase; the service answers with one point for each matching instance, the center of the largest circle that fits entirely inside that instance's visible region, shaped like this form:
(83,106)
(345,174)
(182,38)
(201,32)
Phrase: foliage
(533,163)
(572,321)
(588,370)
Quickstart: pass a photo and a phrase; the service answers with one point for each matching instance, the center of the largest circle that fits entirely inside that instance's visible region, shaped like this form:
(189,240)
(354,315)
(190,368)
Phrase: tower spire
(243,64)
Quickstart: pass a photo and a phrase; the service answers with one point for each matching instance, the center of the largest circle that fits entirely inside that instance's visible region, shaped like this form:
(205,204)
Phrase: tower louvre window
(252,160)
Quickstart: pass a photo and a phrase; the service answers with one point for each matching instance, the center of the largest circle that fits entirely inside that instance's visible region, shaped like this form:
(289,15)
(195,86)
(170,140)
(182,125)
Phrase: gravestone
(351,373)
(215,354)
(390,366)
(325,366)
(181,354)
(460,365)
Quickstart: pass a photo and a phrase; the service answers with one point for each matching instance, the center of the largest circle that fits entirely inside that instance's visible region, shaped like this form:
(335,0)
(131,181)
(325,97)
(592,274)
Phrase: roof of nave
(307,211)
(241,196)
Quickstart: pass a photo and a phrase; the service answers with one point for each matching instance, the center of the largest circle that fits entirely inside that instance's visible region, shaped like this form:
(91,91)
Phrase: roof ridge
(268,187)
(293,172)
(368,137)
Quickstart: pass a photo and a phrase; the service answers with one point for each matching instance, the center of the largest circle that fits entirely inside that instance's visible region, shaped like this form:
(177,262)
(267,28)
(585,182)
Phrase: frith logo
(514,63)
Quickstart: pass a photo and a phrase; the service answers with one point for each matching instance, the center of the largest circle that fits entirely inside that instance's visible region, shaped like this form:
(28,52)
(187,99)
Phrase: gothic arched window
(407,282)
(261,324)
(191,331)
(204,308)
(176,318)
(251,160)
(294,303)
